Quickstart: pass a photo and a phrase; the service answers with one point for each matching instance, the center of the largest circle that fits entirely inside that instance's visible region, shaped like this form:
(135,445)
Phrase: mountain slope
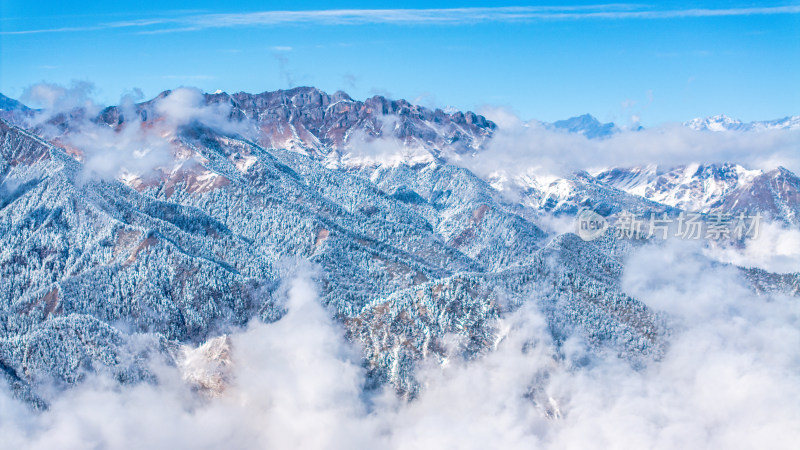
(101,271)
(693,187)
(774,194)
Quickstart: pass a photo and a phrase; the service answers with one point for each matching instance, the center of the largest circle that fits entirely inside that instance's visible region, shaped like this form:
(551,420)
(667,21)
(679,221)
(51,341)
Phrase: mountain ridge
(409,254)
(585,124)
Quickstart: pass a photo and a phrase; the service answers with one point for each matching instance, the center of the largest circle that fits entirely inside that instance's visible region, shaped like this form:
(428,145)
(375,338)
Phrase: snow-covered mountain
(9,104)
(176,261)
(309,120)
(702,188)
(775,193)
(722,122)
(586,125)
(100,273)
(694,187)
(567,195)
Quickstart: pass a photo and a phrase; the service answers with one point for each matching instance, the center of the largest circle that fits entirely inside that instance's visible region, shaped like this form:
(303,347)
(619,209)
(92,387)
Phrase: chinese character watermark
(714,225)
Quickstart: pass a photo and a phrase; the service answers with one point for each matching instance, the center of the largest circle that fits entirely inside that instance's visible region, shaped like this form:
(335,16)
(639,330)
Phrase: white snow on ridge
(721,122)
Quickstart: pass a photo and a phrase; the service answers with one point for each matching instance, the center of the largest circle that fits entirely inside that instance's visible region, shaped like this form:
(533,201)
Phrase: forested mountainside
(104,272)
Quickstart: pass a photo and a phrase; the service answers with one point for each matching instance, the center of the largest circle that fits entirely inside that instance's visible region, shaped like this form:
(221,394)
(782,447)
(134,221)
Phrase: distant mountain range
(724,123)
(9,104)
(313,119)
(586,125)
(192,246)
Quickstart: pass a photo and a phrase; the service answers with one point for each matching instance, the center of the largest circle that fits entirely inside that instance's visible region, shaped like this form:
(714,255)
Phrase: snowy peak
(787,123)
(695,187)
(410,255)
(722,122)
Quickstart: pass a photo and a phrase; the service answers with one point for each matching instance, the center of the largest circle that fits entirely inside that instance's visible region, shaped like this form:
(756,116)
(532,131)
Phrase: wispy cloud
(432,16)
(521,148)
(189,77)
(53,30)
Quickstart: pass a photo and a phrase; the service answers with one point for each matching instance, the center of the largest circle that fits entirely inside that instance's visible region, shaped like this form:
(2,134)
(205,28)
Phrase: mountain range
(108,262)
(722,122)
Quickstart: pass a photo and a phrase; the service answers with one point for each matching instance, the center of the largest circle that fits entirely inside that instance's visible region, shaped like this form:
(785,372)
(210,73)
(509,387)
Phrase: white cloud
(363,148)
(297,385)
(520,148)
(133,147)
(184,105)
(729,379)
(108,152)
(55,99)
(432,16)
(777,249)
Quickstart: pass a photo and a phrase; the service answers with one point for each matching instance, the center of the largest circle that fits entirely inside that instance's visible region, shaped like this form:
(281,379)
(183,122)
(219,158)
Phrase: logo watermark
(590,225)
(715,225)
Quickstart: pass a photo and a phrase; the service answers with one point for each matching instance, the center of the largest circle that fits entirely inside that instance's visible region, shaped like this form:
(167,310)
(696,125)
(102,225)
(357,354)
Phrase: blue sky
(666,62)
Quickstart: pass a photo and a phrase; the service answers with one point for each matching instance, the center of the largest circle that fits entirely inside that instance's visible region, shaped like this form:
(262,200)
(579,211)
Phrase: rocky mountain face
(103,273)
(312,121)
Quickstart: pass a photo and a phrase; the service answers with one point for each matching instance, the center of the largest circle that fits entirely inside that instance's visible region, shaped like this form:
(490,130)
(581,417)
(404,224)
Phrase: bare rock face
(313,121)
(208,368)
